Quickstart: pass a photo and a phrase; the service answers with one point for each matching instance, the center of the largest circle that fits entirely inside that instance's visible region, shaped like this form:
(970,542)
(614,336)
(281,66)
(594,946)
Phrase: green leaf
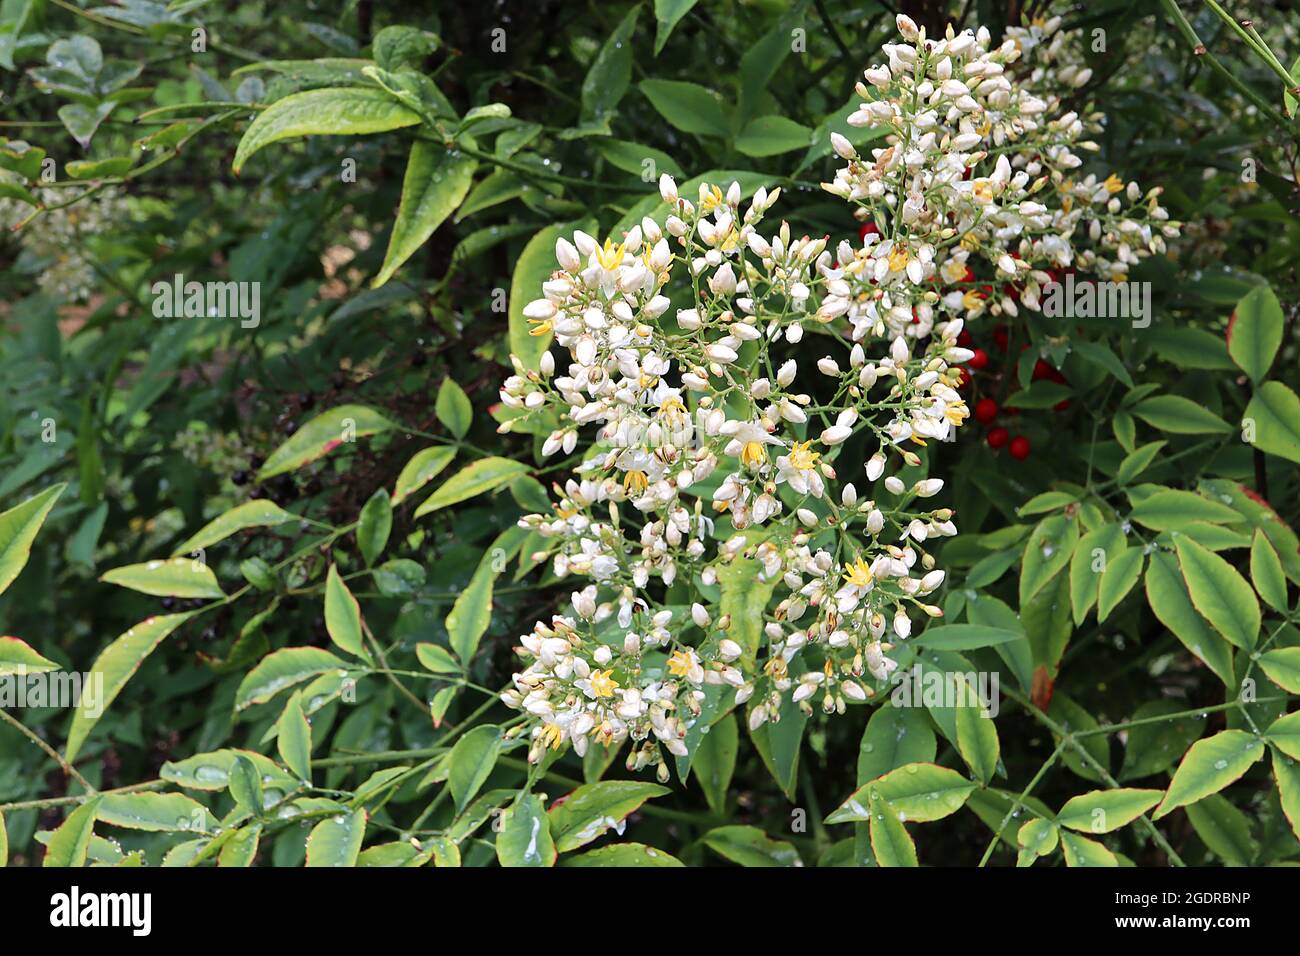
(336,840)
(771,136)
(1038,837)
(453,408)
(1282,665)
(1266,572)
(1287,776)
(114,667)
(1154,747)
(258,513)
(17,657)
(631,158)
(470,616)
(593,808)
(1179,416)
(343,615)
(1224,829)
(282,669)
(610,73)
(715,761)
(1284,734)
(1172,510)
(1099,355)
(1102,811)
(921,792)
(436,181)
(175,577)
(890,842)
(1209,766)
(484,475)
(965,637)
(525,836)
(1219,593)
(689,107)
(293,738)
(18,527)
(471,761)
(1085,576)
(750,846)
(69,843)
(241,849)
(212,771)
(1080,851)
(322,435)
(1274,411)
(1136,463)
(423,467)
(374,525)
(1255,332)
(437,659)
(977,739)
(1047,552)
(894,736)
(335,111)
(1122,572)
(668,13)
(1167,595)
(156,812)
(744,597)
(780,744)
(624,854)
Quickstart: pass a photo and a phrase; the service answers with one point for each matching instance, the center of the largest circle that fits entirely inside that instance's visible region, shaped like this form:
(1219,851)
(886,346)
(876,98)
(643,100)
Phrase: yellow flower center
(1113,184)
(602,684)
(802,457)
(680,663)
(553,736)
(859,574)
(753,455)
(635,482)
(898,259)
(539,326)
(609,255)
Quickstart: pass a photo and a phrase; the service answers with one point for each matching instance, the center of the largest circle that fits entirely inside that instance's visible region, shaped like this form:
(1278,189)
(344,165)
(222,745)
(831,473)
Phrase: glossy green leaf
(423,467)
(374,525)
(1255,332)
(1219,593)
(688,107)
(1272,421)
(258,513)
(1080,851)
(335,111)
(484,475)
(1209,766)
(114,667)
(593,808)
(437,180)
(68,845)
(1102,811)
(977,741)
(293,738)
(1046,554)
(1122,572)
(1179,416)
(750,846)
(453,408)
(18,657)
(1266,572)
(175,577)
(283,669)
(471,761)
(336,840)
(715,761)
(156,812)
(1282,665)
(623,855)
(322,435)
(525,835)
(1168,597)
(1170,509)
(890,842)
(18,527)
(343,615)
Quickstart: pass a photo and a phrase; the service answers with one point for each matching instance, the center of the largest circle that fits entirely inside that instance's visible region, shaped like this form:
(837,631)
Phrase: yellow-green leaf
(18,527)
(1209,766)
(322,435)
(1219,593)
(437,180)
(175,577)
(484,475)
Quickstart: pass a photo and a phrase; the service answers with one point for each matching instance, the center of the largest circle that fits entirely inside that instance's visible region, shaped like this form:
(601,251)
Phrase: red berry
(1000,338)
(1061,405)
(1042,370)
(979,359)
(870,229)
(963,376)
(1019,448)
(997,437)
(964,338)
(985,411)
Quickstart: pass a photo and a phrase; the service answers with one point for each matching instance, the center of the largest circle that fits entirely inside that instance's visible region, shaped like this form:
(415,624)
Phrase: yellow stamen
(753,455)
(680,663)
(802,458)
(602,684)
(634,482)
(859,574)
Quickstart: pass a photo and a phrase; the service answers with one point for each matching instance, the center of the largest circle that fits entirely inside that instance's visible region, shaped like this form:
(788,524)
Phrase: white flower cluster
(55,244)
(714,469)
(977,189)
